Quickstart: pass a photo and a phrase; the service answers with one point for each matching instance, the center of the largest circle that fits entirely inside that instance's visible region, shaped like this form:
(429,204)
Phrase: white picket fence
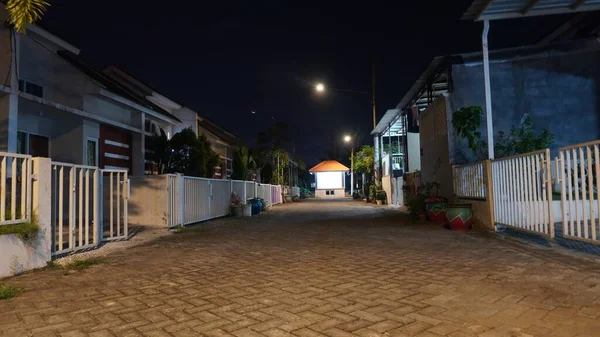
(578,168)
(469,181)
(522,188)
(191,199)
(15,188)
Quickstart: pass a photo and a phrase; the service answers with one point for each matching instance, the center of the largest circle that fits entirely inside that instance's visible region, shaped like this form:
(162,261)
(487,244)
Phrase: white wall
(414,152)
(329,180)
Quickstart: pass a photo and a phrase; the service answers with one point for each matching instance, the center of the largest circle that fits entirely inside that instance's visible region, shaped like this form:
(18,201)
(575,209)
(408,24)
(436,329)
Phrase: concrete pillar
(41,207)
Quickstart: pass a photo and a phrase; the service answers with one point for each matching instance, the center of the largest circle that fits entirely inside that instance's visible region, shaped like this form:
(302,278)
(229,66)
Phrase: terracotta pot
(422,217)
(379,202)
(435,208)
(459,216)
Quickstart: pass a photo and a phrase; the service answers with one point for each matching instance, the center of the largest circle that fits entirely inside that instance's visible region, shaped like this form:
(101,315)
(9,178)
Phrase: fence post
(41,203)
(548,182)
(180,199)
(255,190)
(490,220)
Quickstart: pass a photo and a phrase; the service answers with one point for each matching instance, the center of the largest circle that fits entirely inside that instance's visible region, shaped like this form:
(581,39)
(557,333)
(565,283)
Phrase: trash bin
(255,206)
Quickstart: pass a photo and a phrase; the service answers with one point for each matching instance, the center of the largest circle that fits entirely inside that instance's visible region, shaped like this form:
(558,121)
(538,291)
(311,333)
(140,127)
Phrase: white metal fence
(578,168)
(469,181)
(15,188)
(522,188)
(191,199)
(89,205)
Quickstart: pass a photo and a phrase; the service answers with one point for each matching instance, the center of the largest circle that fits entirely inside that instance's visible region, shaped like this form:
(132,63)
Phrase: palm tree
(21,13)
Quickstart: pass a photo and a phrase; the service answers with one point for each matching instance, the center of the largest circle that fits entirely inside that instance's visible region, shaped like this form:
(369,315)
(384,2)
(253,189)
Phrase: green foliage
(381,195)
(242,162)
(416,203)
(7,292)
(427,189)
(53,265)
(280,160)
(160,151)
(26,231)
(466,121)
(372,192)
(364,159)
(522,139)
(79,264)
(519,140)
(191,155)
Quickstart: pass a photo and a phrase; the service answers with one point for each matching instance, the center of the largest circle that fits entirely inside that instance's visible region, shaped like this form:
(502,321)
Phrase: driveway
(314,268)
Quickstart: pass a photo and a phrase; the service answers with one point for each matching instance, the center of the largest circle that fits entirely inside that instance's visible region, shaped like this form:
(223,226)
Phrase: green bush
(381,195)
(372,192)
(416,204)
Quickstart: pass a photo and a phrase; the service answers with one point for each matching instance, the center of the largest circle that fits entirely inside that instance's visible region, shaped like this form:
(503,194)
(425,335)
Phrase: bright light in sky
(347,139)
(320,87)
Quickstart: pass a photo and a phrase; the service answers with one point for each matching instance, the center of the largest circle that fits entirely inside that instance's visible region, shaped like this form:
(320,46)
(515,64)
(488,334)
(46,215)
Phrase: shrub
(381,195)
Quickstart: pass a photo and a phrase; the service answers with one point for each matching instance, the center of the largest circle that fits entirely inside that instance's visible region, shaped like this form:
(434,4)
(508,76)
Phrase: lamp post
(348,139)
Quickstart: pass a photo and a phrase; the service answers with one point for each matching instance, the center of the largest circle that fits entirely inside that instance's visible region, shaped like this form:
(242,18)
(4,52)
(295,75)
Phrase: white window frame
(95,140)
(25,82)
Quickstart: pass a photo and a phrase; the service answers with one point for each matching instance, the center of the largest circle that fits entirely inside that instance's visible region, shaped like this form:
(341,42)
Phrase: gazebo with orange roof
(329,179)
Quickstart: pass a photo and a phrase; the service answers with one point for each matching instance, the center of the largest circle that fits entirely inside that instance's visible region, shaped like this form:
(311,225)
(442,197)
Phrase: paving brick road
(312,269)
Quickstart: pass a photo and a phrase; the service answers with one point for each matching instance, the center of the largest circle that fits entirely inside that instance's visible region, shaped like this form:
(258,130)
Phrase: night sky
(225,59)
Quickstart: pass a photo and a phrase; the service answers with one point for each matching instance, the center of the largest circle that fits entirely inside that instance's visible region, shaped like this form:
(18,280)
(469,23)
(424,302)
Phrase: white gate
(522,188)
(578,168)
(75,207)
(15,188)
(115,199)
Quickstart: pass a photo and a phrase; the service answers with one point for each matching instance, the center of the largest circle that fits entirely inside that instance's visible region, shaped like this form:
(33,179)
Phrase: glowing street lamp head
(320,87)
(347,139)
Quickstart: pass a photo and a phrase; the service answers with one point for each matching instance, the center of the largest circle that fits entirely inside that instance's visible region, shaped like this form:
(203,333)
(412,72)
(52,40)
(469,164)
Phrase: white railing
(522,188)
(75,207)
(192,200)
(115,204)
(15,188)
(469,181)
(578,168)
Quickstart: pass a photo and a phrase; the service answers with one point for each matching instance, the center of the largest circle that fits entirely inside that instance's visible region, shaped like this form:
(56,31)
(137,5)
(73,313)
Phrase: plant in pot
(435,206)
(381,197)
(416,205)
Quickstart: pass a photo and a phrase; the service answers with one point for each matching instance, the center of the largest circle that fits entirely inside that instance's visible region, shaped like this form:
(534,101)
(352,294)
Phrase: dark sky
(224,59)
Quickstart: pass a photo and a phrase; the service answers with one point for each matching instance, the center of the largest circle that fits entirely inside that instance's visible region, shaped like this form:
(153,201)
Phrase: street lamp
(348,139)
(320,87)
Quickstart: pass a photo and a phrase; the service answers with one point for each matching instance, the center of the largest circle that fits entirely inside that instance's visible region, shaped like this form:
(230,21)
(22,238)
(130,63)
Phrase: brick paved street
(312,269)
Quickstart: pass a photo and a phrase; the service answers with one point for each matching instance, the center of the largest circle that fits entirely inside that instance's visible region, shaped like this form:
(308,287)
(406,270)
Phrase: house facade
(52,105)
(223,142)
(330,181)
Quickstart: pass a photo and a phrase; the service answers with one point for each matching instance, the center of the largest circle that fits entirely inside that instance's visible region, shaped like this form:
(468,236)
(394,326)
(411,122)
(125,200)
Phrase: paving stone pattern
(314,269)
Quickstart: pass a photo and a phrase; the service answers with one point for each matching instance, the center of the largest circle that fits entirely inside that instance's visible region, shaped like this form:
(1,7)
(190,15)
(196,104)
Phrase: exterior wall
(326,183)
(148,202)
(5,50)
(413,143)
(62,82)
(17,257)
(435,159)
(338,193)
(558,90)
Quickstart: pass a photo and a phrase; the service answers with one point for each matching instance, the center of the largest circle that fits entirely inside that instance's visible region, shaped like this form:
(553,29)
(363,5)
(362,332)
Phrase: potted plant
(416,205)
(381,197)
(459,216)
(435,206)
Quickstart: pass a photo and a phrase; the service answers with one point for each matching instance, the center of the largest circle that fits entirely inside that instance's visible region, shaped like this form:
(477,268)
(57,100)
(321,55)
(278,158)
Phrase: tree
(364,160)
(160,151)
(191,155)
(242,162)
(22,13)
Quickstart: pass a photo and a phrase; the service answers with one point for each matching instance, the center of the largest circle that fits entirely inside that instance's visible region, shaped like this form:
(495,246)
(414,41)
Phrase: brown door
(115,148)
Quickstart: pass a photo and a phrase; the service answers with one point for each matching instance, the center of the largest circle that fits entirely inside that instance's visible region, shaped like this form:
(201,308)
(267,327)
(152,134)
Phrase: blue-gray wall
(559,91)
